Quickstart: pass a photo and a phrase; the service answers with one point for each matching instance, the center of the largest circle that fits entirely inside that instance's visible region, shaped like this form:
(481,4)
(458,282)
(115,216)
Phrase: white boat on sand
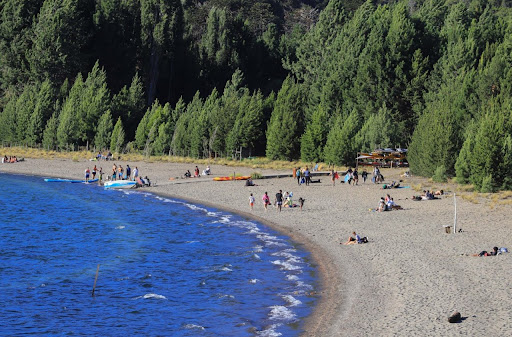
(119,184)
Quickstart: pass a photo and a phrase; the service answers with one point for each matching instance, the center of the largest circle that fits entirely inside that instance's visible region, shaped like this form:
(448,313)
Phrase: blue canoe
(60,180)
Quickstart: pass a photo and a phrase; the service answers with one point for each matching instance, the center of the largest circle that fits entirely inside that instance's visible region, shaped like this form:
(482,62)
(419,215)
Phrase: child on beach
(266,200)
(251,201)
(301,202)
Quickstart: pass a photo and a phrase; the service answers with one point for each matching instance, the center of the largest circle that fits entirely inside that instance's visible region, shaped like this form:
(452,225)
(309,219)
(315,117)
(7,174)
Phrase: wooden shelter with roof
(388,157)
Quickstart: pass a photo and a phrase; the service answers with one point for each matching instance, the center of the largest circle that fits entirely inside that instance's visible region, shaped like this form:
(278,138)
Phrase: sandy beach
(406,281)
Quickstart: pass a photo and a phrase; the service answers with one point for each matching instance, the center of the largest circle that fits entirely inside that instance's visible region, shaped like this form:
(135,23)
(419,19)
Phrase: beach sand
(405,282)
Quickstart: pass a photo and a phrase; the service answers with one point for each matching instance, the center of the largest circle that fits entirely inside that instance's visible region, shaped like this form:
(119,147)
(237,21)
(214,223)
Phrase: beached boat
(62,180)
(231,178)
(119,184)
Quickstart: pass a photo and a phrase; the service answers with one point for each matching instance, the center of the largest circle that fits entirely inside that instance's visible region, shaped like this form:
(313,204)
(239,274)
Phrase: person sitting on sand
(188,174)
(196,172)
(355,239)
(207,171)
(249,182)
(485,253)
(440,192)
(301,202)
(382,205)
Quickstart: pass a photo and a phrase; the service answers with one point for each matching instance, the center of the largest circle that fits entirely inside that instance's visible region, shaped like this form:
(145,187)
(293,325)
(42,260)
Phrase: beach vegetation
(316,81)
(440,175)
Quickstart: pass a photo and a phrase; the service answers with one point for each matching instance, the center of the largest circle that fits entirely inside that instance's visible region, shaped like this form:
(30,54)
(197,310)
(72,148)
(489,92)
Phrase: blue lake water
(167,267)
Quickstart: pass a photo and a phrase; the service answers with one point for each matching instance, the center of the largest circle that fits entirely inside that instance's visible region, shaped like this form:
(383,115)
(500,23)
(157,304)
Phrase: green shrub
(256,175)
(440,174)
(487,185)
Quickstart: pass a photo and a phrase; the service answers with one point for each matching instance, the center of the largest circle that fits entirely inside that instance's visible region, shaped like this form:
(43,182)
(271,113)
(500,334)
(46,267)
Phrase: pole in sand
(95,279)
(455,216)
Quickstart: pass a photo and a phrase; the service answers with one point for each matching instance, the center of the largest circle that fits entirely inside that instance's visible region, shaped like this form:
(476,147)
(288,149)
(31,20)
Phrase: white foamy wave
(292,277)
(257,249)
(194,327)
(281,313)
(195,208)
(301,284)
(286,265)
(270,331)
(225,296)
(289,257)
(292,301)
(120,227)
(256,256)
(224,220)
(254,281)
(191,241)
(155,296)
(269,243)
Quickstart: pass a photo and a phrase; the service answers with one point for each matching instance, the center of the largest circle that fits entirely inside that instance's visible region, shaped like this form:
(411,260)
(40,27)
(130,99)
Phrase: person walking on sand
(251,201)
(266,200)
(279,200)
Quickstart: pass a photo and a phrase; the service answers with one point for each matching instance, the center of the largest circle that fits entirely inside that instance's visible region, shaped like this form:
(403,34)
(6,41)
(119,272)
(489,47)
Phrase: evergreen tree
(117,139)
(50,133)
(339,148)
(314,138)
(103,134)
(286,123)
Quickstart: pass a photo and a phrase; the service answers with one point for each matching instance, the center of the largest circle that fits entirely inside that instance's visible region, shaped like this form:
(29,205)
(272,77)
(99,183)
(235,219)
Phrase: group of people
(94,171)
(303,175)
(280,200)
(206,172)
(10,159)
(355,239)
(100,156)
(428,195)
(387,204)
(120,173)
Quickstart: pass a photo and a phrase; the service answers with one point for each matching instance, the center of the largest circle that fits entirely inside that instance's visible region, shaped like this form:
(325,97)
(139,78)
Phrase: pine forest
(310,80)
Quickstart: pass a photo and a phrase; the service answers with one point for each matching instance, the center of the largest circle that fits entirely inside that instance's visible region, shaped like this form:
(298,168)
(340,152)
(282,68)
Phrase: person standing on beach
(251,201)
(355,175)
(121,170)
(333,177)
(307,175)
(297,173)
(87,172)
(279,200)
(135,173)
(364,175)
(128,172)
(114,171)
(266,200)
(101,174)
(94,169)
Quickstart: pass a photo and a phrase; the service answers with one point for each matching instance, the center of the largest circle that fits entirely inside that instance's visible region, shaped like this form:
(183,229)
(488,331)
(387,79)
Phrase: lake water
(167,267)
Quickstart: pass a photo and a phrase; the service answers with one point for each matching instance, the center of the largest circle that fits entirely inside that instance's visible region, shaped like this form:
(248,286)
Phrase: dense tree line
(310,80)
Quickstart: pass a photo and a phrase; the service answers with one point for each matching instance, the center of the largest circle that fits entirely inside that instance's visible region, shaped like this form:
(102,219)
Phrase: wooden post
(95,279)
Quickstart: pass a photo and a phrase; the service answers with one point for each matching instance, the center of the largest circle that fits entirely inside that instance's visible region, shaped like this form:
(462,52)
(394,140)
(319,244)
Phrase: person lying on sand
(390,205)
(355,239)
(485,253)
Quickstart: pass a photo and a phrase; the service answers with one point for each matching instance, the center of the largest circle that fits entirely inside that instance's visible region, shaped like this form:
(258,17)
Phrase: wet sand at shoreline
(406,281)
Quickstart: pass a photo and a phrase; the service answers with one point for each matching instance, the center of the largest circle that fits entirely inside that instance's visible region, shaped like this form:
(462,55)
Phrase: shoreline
(406,281)
(320,312)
